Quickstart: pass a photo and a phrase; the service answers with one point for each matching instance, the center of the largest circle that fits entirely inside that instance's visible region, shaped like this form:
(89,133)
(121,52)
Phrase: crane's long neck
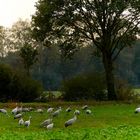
(30,118)
(75,118)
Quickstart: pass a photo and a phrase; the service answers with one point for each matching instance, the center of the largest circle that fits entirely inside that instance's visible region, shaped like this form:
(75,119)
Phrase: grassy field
(107,121)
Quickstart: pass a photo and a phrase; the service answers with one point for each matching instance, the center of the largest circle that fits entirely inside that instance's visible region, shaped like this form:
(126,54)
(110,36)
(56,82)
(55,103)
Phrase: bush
(15,86)
(124,91)
(5,80)
(46,96)
(84,87)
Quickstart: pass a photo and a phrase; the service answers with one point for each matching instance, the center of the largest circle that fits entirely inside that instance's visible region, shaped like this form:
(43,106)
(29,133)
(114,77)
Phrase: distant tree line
(48,68)
(51,68)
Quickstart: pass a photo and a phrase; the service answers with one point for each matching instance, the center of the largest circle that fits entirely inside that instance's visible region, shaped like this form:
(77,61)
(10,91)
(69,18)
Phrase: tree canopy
(29,56)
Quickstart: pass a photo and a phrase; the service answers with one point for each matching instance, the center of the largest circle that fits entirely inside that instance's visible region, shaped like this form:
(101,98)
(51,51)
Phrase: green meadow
(107,121)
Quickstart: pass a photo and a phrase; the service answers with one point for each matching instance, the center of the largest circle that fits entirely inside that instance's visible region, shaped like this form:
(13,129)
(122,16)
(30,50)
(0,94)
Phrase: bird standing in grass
(71,121)
(137,110)
(27,123)
(21,121)
(19,109)
(50,109)
(46,122)
(25,109)
(39,110)
(50,126)
(85,107)
(17,116)
(57,112)
(15,110)
(76,112)
(68,109)
(88,111)
(4,111)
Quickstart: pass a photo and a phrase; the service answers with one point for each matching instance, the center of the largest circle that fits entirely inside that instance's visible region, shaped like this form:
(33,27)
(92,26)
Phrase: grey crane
(28,122)
(85,107)
(137,110)
(17,116)
(4,111)
(76,112)
(50,109)
(46,122)
(71,121)
(50,126)
(15,110)
(57,112)
(68,109)
(88,111)
(19,109)
(21,121)
(25,109)
(39,110)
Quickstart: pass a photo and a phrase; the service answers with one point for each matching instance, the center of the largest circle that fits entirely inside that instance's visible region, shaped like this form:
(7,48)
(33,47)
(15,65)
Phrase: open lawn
(107,121)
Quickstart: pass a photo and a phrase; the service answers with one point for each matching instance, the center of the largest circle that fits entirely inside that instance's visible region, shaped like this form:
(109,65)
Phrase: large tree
(110,25)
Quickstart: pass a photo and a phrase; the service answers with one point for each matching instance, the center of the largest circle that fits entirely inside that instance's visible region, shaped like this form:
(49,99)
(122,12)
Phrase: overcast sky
(12,10)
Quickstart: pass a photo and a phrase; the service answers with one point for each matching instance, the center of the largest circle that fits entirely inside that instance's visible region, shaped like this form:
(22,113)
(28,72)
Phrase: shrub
(28,89)
(5,80)
(46,96)
(15,86)
(84,87)
(124,91)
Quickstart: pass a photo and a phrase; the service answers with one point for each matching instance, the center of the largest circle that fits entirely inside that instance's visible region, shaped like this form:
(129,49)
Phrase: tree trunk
(108,65)
(28,71)
(63,70)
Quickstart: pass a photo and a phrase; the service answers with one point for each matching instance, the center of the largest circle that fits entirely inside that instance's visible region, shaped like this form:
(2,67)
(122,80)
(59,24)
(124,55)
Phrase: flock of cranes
(18,112)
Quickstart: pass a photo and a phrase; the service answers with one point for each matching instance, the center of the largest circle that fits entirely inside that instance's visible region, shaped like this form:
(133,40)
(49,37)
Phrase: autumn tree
(5,42)
(109,25)
(20,34)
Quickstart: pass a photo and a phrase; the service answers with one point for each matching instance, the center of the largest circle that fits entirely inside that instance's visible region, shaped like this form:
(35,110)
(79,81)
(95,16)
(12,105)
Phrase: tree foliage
(29,56)
(20,34)
(5,43)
